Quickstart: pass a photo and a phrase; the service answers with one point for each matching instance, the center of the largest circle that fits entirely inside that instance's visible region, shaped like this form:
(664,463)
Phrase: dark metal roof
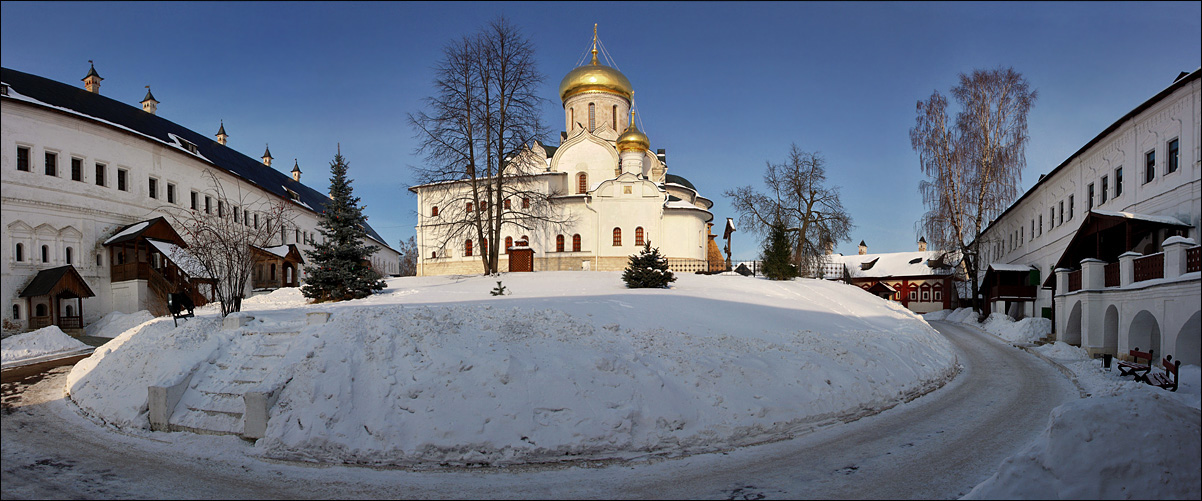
(674,179)
(56,280)
(106,109)
(154,228)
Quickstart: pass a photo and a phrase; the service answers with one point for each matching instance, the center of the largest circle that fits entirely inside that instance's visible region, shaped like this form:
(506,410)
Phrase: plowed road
(937,446)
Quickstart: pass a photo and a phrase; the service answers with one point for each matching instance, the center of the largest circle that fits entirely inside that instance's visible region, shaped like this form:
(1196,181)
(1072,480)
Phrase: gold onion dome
(633,139)
(595,77)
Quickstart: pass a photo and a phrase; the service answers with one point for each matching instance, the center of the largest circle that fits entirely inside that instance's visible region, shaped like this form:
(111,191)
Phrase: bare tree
(974,167)
(799,198)
(477,135)
(220,241)
(408,252)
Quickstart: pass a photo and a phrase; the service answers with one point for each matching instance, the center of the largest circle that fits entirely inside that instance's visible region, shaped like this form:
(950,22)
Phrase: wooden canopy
(54,282)
(157,228)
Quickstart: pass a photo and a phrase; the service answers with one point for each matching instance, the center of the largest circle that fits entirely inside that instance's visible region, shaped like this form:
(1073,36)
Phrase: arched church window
(469,206)
(581,183)
(617,237)
(558,243)
(508,205)
(45,254)
(434,211)
(70,310)
(20,253)
(615,117)
(576,243)
(467,247)
(39,310)
(526,202)
(592,116)
(508,244)
(68,255)
(16,312)
(638,236)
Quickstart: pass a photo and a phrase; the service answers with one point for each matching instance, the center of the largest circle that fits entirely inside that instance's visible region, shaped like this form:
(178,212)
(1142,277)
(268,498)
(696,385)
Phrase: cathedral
(611,192)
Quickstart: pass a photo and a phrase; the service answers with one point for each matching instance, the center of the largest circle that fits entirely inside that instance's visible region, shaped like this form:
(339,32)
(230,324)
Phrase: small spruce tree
(778,262)
(648,269)
(339,267)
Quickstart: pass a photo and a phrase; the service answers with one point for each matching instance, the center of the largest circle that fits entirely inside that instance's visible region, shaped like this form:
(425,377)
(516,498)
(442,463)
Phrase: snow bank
(1137,445)
(571,365)
(1062,351)
(45,341)
(937,315)
(1027,330)
(115,323)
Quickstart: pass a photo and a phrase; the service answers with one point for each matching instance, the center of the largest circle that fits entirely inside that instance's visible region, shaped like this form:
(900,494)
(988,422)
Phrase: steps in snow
(214,402)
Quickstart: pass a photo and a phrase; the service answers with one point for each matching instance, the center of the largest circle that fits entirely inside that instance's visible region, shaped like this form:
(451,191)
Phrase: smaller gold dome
(633,139)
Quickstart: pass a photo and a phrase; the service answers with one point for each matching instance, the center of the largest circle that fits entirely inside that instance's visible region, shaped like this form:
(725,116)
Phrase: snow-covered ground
(1128,440)
(31,346)
(569,365)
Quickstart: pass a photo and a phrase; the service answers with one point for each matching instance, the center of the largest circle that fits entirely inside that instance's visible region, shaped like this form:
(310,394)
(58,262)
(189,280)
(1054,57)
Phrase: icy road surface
(938,446)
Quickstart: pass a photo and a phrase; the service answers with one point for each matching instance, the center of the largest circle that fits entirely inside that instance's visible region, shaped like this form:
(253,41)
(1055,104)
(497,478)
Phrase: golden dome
(595,77)
(633,139)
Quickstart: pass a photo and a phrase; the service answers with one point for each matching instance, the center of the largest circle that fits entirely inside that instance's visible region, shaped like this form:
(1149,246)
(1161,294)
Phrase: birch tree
(477,133)
(973,166)
(799,199)
(220,239)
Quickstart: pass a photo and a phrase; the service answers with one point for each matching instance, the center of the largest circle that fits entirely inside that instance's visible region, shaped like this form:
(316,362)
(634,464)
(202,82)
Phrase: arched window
(467,247)
(559,243)
(508,244)
(70,310)
(16,312)
(434,211)
(592,117)
(287,275)
(572,122)
(507,204)
(469,207)
(433,254)
(615,117)
(526,203)
(45,254)
(581,183)
(576,243)
(68,255)
(271,272)
(638,236)
(39,310)
(617,237)
(20,253)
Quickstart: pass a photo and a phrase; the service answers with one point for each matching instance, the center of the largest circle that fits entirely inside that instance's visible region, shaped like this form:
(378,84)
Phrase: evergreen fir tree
(648,269)
(339,267)
(778,253)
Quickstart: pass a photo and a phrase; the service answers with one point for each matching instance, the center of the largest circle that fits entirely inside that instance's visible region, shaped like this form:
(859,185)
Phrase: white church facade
(1106,244)
(81,173)
(603,178)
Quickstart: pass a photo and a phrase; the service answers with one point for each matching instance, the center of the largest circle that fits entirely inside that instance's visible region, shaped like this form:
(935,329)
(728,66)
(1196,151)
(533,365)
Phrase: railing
(130,271)
(1193,259)
(1074,280)
(66,322)
(1149,267)
(1012,291)
(1112,274)
(39,322)
(685,265)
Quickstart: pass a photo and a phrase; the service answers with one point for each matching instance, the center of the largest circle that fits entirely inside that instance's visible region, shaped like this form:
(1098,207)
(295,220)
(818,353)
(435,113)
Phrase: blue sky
(724,87)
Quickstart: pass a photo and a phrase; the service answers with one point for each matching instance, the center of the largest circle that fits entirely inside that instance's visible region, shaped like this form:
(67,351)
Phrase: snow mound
(45,341)
(1027,330)
(1063,351)
(937,315)
(963,316)
(572,365)
(280,298)
(1085,453)
(115,323)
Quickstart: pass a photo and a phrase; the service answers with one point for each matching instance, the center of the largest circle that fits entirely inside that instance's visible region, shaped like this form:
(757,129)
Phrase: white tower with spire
(149,103)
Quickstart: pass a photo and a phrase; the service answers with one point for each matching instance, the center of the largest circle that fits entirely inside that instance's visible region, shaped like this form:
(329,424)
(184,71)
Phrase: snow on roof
(128,231)
(1010,267)
(679,204)
(279,250)
(1142,217)
(180,257)
(894,264)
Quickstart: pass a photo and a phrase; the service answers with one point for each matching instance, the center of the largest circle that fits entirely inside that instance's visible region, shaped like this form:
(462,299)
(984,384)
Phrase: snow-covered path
(938,446)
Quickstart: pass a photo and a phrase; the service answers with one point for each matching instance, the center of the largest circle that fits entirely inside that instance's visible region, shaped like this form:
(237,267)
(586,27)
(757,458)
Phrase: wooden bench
(1134,368)
(1162,379)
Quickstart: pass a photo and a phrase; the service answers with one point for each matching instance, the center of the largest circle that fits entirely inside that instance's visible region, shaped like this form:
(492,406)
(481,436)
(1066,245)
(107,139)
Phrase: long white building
(1106,243)
(610,190)
(81,172)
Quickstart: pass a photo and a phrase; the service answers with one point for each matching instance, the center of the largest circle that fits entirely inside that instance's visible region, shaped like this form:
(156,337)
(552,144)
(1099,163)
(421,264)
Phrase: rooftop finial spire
(595,62)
